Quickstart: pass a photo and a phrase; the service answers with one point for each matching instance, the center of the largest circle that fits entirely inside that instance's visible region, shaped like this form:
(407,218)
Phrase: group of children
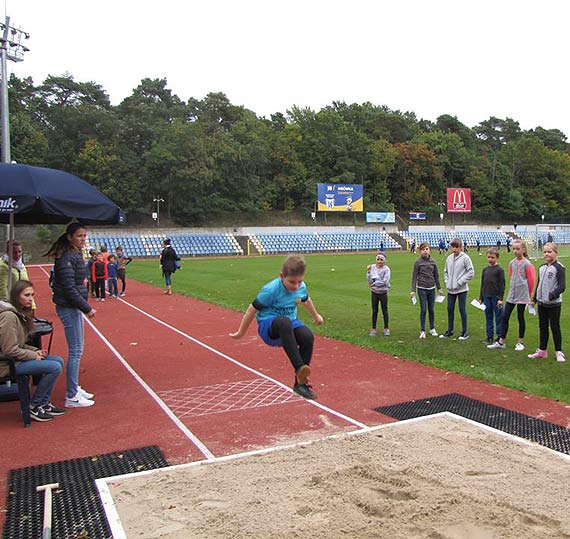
(105,270)
(525,291)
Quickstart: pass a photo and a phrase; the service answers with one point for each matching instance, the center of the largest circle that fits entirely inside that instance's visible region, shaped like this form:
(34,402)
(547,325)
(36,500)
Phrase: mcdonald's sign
(458,200)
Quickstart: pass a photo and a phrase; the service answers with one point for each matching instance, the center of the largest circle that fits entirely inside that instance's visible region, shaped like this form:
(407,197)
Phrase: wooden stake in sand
(46,534)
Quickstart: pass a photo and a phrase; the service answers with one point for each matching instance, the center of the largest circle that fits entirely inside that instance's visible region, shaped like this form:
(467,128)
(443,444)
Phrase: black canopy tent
(36,195)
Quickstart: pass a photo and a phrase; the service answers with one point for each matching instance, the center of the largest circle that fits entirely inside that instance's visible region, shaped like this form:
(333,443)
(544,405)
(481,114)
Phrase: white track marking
(181,426)
(249,369)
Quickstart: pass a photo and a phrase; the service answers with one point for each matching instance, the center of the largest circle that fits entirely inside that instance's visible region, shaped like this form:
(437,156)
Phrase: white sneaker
(495,345)
(433,332)
(84,393)
(560,357)
(422,335)
(519,347)
(79,401)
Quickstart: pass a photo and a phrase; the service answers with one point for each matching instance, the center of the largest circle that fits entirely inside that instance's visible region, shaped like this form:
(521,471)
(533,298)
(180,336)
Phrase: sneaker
(303,374)
(495,346)
(372,333)
(97,299)
(433,332)
(102,299)
(386,332)
(519,347)
(539,354)
(52,410)
(560,357)
(422,335)
(446,335)
(79,401)
(37,413)
(463,337)
(305,391)
(122,294)
(84,393)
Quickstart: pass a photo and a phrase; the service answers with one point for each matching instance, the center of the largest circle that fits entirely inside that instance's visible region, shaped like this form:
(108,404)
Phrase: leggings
(381,298)
(297,343)
(121,274)
(509,308)
(549,316)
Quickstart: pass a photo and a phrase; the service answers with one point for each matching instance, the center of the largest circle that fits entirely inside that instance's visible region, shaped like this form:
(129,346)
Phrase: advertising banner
(340,197)
(458,200)
(381,217)
(417,216)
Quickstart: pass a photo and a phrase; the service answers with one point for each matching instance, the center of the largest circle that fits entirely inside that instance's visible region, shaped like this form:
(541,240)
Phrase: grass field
(337,284)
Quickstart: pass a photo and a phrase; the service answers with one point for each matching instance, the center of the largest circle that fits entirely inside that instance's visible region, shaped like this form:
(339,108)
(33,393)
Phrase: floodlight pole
(158,200)
(11,48)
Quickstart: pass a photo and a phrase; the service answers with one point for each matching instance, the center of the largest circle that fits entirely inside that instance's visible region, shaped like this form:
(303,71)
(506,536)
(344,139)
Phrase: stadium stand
(311,242)
(469,237)
(150,245)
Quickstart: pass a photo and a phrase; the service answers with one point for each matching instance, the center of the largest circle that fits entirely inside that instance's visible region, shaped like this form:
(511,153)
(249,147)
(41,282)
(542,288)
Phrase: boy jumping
(275,308)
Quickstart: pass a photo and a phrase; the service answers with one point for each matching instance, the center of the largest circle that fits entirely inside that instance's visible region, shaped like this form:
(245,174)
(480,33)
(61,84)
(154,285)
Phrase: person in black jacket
(169,264)
(70,298)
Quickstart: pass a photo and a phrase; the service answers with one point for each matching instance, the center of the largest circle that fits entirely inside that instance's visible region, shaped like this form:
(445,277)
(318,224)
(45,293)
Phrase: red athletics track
(177,343)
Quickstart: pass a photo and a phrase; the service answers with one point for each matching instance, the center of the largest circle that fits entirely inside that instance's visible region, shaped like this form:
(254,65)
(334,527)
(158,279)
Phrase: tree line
(208,157)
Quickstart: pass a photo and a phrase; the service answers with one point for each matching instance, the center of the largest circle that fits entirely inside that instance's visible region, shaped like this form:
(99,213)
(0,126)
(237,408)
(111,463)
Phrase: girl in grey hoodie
(378,276)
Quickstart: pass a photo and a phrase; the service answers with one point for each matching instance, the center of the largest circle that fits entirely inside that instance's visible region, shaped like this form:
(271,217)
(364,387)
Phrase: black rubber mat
(77,509)
(536,430)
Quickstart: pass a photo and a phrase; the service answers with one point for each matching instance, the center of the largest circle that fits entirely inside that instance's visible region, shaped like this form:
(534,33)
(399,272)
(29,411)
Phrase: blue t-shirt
(275,300)
(112,270)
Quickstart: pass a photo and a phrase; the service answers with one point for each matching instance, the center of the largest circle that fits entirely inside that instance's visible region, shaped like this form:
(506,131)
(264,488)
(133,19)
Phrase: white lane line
(181,426)
(249,369)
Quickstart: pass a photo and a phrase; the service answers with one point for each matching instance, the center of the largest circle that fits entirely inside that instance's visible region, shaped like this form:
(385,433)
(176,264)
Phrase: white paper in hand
(414,300)
(531,309)
(439,299)
(478,305)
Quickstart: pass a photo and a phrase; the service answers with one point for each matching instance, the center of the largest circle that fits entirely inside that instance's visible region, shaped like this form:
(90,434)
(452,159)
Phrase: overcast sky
(471,59)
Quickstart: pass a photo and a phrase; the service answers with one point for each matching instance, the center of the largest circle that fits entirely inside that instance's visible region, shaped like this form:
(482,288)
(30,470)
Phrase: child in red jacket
(99,276)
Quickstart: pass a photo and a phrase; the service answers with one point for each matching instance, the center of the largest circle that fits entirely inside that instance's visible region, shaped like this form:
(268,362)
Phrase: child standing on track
(112,277)
(122,262)
(457,274)
(378,276)
(523,277)
(491,294)
(99,275)
(275,308)
(425,277)
(550,285)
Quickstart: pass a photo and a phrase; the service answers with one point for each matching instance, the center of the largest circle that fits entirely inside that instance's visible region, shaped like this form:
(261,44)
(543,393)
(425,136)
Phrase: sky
(470,59)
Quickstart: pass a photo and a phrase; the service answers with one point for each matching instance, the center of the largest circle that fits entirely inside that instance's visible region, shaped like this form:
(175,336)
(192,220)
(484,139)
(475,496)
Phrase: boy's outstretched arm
(248,317)
(317,318)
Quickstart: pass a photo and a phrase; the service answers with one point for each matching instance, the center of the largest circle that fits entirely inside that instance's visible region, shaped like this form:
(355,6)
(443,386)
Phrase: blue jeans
(168,278)
(427,302)
(72,320)
(113,286)
(493,315)
(49,368)
(451,299)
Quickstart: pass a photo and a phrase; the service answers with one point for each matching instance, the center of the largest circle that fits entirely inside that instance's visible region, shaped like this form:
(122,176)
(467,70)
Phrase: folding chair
(23,383)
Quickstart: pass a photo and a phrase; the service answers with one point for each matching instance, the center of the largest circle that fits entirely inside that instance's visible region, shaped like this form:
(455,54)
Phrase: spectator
(70,298)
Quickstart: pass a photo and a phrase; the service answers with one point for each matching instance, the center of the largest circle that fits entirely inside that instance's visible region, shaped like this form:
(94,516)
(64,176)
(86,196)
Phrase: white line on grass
(181,426)
(251,370)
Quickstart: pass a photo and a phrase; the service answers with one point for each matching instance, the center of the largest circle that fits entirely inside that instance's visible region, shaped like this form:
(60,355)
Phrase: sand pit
(438,478)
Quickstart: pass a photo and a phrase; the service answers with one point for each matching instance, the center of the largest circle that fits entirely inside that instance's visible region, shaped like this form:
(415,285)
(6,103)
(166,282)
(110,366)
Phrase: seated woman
(16,321)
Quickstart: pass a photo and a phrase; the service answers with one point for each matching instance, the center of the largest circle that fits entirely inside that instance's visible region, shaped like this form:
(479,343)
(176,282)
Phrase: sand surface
(439,478)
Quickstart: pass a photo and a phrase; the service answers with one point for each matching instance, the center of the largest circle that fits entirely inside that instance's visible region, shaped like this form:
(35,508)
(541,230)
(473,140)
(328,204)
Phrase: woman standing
(378,276)
(70,298)
(168,260)
(16,322)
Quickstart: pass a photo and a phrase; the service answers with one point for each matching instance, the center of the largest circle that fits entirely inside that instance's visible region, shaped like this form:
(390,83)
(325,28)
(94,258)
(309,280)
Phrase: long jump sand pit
(437,478)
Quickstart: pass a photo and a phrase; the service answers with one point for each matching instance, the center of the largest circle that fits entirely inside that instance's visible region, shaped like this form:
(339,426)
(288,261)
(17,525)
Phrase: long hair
(25,313)
(62,244)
